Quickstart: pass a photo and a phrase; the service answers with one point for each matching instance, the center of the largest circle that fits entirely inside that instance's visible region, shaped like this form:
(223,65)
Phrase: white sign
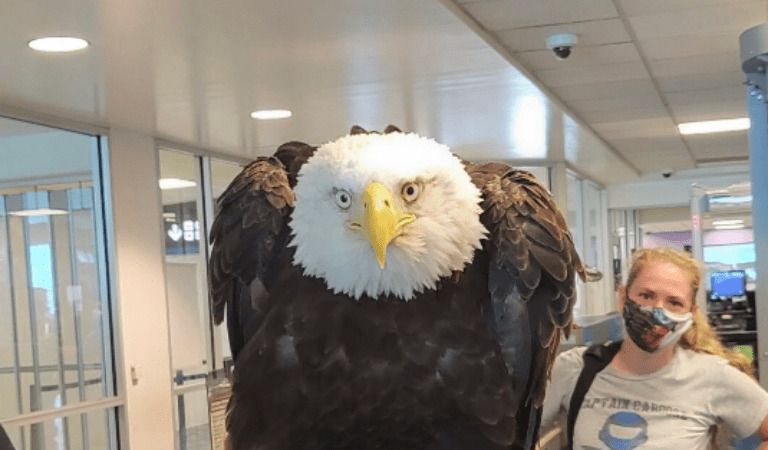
(189,231)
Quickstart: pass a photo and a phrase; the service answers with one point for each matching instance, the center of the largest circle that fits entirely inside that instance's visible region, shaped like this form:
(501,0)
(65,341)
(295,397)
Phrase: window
(55,327)
(197,347)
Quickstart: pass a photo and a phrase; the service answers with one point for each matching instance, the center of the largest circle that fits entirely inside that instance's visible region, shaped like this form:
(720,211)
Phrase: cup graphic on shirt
(624,430)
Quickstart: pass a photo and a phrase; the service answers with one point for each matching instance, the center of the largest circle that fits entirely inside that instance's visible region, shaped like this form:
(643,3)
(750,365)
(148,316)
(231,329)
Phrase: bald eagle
(382,293)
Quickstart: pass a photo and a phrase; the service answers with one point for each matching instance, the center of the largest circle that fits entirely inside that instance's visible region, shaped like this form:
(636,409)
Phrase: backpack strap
(596,358)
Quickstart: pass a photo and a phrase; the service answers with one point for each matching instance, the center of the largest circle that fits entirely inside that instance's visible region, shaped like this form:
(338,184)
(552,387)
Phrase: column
(142,337)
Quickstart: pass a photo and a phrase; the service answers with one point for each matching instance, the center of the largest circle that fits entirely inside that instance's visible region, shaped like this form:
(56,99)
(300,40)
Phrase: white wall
(142,308)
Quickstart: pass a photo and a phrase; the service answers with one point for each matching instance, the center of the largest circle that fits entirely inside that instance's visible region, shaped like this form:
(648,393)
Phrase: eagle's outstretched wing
(532,268)
(249,228)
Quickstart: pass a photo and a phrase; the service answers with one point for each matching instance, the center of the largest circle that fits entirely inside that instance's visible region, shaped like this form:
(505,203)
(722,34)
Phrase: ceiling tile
(714,63)
(708,104)
(583,75)
(666,47)
(707,96)
(719,144)
(654,160)
(648,144)
(646,7)
(709,111)
(737,16)
(605,89)
(588,57)
(698,81)
(641,128)
(627,113)
(612,104)
(507,14)
(704,154)
(595,32)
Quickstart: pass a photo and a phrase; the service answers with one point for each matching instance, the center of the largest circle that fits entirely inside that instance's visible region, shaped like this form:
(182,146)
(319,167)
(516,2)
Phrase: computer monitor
(728,283)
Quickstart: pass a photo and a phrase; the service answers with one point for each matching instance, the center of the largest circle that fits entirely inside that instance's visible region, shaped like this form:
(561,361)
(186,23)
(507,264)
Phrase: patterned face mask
(654,328)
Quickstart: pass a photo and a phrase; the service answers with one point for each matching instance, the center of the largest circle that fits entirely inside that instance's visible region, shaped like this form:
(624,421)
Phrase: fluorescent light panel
(729,227)
(714,126)
(38,212)
(728,222)
(271,114)
(175,183)
(58,44)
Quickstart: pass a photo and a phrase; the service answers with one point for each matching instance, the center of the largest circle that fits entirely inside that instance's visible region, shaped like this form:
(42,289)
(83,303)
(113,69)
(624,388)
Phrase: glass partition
(55,328)
(185,256)
(190,185)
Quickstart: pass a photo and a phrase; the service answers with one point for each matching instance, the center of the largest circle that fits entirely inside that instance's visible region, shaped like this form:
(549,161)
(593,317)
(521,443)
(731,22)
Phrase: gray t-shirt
(671,408)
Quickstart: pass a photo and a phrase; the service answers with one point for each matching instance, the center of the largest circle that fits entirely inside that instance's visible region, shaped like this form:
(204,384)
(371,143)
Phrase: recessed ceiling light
(714,126)
(38,212)
(175,183)
(729,227)
(271,114)
(59,44)
(727,222)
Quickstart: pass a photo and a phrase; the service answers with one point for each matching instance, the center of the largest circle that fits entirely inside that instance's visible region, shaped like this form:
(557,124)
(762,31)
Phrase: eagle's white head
(381,214)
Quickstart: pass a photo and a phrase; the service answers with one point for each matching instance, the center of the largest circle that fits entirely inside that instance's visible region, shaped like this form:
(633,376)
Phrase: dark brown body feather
(461,366)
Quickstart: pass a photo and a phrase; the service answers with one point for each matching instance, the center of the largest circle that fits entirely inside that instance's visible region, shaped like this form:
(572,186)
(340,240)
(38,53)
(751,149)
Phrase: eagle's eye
(342,197)
(411,191)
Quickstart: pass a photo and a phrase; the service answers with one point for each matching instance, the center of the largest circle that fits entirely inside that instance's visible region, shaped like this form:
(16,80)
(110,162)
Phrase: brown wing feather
(532,271)
(249,227)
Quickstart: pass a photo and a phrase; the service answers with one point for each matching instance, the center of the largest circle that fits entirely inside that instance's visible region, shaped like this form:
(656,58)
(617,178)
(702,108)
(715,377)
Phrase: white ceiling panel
(656,7)
(628,113)
(600,55)
(594,32)
(713,154)
(667,143)
(710,111)
(641,128)
(734,16)
(507,14)
(699,81)
(668,47)
(587,91)
(705,96)
(190,72)
(720,144)
(708,104)
(567,76)
(675,61)
(612,104)
(714,63)
(658,158)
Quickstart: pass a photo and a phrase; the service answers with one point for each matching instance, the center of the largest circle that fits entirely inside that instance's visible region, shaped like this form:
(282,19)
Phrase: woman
(671,380)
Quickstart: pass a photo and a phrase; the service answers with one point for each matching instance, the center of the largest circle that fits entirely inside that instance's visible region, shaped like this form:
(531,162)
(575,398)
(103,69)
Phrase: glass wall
(190,185)
(55,328)
(588,222)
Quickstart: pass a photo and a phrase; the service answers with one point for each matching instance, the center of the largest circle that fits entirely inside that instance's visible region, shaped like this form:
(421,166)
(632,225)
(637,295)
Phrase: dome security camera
(666,173)
(561,44)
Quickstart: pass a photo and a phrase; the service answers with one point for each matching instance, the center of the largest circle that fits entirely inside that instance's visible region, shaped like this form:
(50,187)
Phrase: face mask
(654,328)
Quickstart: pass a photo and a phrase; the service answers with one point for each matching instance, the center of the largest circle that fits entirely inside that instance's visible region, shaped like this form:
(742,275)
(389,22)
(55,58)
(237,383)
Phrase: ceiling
(472,74)
(640,68)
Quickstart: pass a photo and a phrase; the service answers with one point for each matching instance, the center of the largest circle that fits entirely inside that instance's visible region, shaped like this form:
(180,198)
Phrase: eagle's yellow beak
(381,221)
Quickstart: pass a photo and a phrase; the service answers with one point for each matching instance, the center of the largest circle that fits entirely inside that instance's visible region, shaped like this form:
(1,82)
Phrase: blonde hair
(701,337)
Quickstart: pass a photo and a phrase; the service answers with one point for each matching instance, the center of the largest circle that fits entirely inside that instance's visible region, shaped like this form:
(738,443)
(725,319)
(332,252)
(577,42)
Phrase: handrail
(50,368)
(64,411)
(183,389)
